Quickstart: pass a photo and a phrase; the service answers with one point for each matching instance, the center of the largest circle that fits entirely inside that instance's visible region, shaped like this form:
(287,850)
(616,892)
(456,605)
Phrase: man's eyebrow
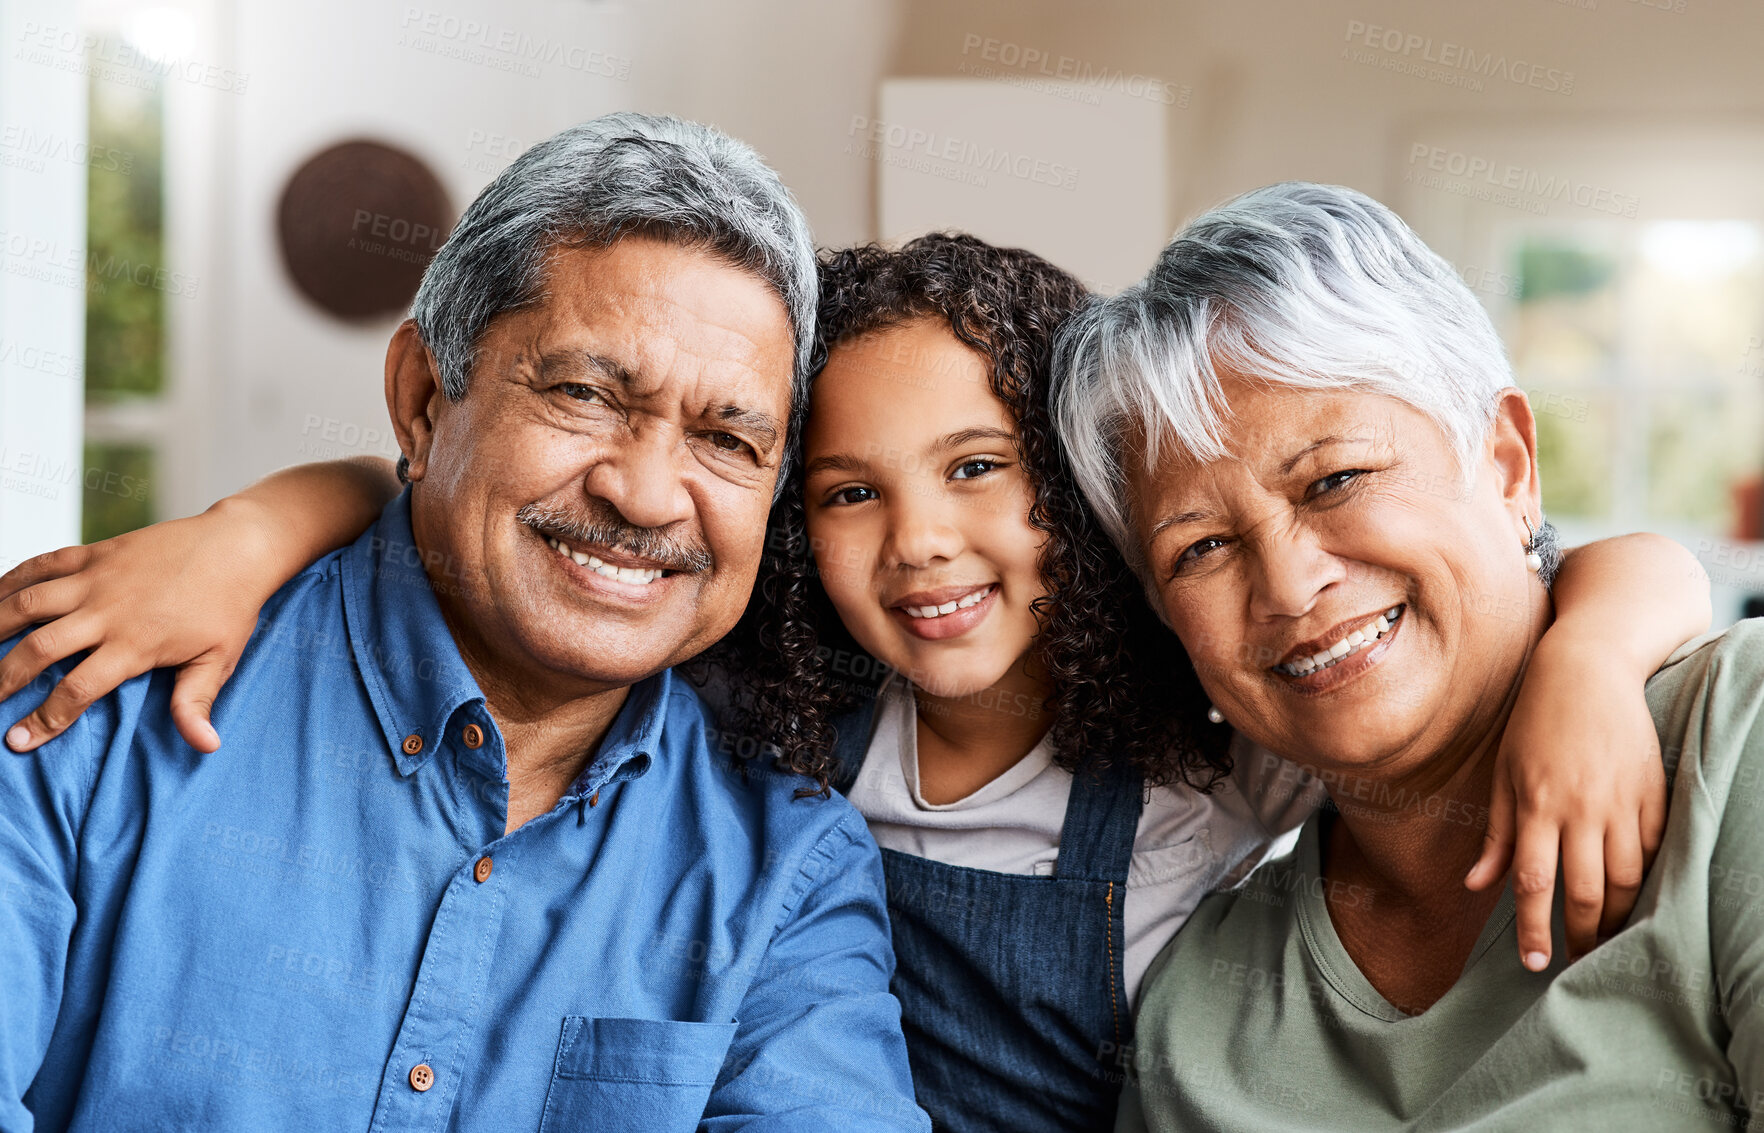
(761,424)
(1321,442)
(560,365)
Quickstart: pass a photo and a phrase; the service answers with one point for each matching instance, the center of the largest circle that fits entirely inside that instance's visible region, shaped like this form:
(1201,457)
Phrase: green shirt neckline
(1331,957)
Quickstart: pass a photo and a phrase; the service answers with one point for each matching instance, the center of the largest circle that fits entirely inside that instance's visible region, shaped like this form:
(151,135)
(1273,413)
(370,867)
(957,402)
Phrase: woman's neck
(965,742)
(1408,840)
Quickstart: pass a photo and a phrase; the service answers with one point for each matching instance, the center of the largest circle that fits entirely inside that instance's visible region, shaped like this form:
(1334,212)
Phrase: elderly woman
(1302,430)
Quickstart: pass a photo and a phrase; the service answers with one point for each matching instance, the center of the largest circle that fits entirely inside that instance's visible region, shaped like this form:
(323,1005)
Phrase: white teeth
(1354,642)
(961,603)
(640,576)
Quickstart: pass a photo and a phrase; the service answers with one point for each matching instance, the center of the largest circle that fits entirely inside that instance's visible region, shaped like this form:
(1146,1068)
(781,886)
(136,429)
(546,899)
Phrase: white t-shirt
(1187,845)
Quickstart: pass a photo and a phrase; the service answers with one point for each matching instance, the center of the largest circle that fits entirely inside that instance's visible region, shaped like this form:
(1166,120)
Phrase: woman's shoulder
(1707,700)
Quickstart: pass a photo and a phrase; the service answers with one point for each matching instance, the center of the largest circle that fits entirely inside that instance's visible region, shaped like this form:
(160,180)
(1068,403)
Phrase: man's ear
(413,394)
(1512,444)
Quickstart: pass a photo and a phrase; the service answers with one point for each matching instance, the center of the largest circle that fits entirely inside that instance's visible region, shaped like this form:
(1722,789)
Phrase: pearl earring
(1215,715)
(1533,560)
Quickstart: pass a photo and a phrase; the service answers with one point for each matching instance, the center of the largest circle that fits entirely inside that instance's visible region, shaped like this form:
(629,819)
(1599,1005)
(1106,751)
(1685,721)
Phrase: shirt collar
(417,680)
(403,648)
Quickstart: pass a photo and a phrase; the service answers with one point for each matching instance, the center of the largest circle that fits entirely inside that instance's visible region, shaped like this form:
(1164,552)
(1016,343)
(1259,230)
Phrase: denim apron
(1011,988)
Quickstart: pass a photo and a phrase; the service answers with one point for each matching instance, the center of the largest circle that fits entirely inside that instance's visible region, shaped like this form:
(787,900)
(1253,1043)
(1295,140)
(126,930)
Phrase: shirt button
(481,871)
(473,736)
(421,1077)
(413,743)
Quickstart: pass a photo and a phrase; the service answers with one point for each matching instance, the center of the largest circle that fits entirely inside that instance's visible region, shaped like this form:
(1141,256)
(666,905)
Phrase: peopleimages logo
(1446,61)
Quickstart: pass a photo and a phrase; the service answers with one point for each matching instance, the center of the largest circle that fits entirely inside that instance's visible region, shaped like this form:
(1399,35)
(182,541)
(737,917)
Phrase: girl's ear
(413,394)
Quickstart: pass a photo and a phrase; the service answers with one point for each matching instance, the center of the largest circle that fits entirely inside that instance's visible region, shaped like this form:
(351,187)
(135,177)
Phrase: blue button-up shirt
(324,927)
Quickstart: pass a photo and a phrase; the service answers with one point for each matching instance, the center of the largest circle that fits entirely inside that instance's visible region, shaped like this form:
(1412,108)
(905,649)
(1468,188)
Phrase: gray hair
(1312,287)
(617,175)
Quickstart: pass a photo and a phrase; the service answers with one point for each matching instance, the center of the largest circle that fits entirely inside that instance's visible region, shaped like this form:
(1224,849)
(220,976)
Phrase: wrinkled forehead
(665,314)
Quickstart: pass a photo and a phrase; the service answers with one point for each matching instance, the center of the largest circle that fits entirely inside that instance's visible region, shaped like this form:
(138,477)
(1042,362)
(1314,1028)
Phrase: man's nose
(643,476)
(1290,570)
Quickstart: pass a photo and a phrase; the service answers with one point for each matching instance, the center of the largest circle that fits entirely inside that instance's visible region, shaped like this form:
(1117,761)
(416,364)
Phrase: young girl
(941,629)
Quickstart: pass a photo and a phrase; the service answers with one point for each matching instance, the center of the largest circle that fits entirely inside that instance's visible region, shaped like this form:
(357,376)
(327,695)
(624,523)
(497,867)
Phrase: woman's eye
(1333,481)
(857,494)
(972,469)
(1197,550)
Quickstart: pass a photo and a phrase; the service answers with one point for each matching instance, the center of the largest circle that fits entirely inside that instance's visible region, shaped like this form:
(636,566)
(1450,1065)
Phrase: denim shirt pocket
(636,1075)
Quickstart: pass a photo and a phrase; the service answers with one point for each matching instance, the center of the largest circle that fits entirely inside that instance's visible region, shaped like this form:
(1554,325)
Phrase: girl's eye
(973,469)
(1333,481)
(856,494)
(1197,550)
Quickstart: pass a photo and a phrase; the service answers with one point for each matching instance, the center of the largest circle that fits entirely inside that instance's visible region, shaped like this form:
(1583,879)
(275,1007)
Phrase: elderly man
(475,864)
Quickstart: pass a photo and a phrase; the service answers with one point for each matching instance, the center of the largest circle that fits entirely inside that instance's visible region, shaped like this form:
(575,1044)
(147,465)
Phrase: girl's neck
(965,742)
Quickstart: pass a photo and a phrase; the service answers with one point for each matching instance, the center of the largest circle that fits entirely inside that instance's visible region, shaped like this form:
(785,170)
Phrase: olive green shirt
(1255,1018)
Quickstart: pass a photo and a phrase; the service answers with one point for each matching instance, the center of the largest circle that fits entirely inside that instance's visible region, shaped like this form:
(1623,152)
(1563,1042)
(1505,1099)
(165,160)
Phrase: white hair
(1307,286)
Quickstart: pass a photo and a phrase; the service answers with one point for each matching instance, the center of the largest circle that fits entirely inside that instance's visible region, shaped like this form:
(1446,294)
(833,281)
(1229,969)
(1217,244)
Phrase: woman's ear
(413,391)
(1512,449)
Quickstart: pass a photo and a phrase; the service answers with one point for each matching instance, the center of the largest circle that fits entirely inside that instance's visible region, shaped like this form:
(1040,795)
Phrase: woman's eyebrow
(1321,442)
(1178,520)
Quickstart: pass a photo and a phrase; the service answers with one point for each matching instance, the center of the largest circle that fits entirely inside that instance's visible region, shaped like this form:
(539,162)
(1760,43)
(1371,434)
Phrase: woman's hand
(183,593)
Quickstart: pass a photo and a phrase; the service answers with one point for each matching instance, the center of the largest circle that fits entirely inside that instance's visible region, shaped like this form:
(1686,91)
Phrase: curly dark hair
(1123,689)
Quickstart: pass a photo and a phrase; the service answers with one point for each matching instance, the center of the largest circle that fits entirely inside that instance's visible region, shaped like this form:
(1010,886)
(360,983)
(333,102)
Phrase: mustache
(608,529)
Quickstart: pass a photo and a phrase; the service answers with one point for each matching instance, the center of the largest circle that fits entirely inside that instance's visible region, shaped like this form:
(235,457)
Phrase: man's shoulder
(737,771)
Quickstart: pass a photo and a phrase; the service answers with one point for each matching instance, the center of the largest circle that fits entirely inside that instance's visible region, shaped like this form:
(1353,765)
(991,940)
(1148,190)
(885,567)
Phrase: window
(1642,347)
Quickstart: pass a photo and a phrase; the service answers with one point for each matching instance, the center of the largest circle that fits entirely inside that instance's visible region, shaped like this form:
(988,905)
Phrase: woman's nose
(1290,571)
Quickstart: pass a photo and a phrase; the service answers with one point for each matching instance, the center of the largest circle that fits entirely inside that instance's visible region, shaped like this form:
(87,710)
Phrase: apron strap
(1102,819)
(851,740)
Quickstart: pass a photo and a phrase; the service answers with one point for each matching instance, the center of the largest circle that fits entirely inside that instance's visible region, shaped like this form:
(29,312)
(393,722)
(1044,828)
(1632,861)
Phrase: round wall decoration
(358,223)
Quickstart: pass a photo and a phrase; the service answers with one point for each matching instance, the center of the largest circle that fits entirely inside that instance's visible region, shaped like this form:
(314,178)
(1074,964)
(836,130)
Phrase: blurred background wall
(1594,168)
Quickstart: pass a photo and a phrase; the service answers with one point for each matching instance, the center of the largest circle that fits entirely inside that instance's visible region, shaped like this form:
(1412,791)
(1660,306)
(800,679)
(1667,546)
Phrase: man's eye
(581,392)
(857,494)
(1197,550)
(973,469)
(1333,481)
(728,442)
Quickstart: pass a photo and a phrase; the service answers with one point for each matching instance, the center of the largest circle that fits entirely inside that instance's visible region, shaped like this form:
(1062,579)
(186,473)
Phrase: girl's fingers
(41,648)
(72,695)
(1534,889)
(1497,843)
(1625,870)
(40,602)
(1583,884)
(192,700)
(41,568)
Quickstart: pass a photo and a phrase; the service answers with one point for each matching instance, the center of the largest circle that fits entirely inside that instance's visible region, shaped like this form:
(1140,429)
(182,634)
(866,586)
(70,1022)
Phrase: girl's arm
(185,592)
(1578,775)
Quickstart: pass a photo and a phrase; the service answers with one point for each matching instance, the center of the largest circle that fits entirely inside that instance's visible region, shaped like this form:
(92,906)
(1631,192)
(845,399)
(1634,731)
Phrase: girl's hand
(1579,778)
(183,593)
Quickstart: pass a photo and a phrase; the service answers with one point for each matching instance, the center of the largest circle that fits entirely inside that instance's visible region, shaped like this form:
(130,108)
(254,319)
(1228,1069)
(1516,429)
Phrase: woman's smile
(1351,650)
